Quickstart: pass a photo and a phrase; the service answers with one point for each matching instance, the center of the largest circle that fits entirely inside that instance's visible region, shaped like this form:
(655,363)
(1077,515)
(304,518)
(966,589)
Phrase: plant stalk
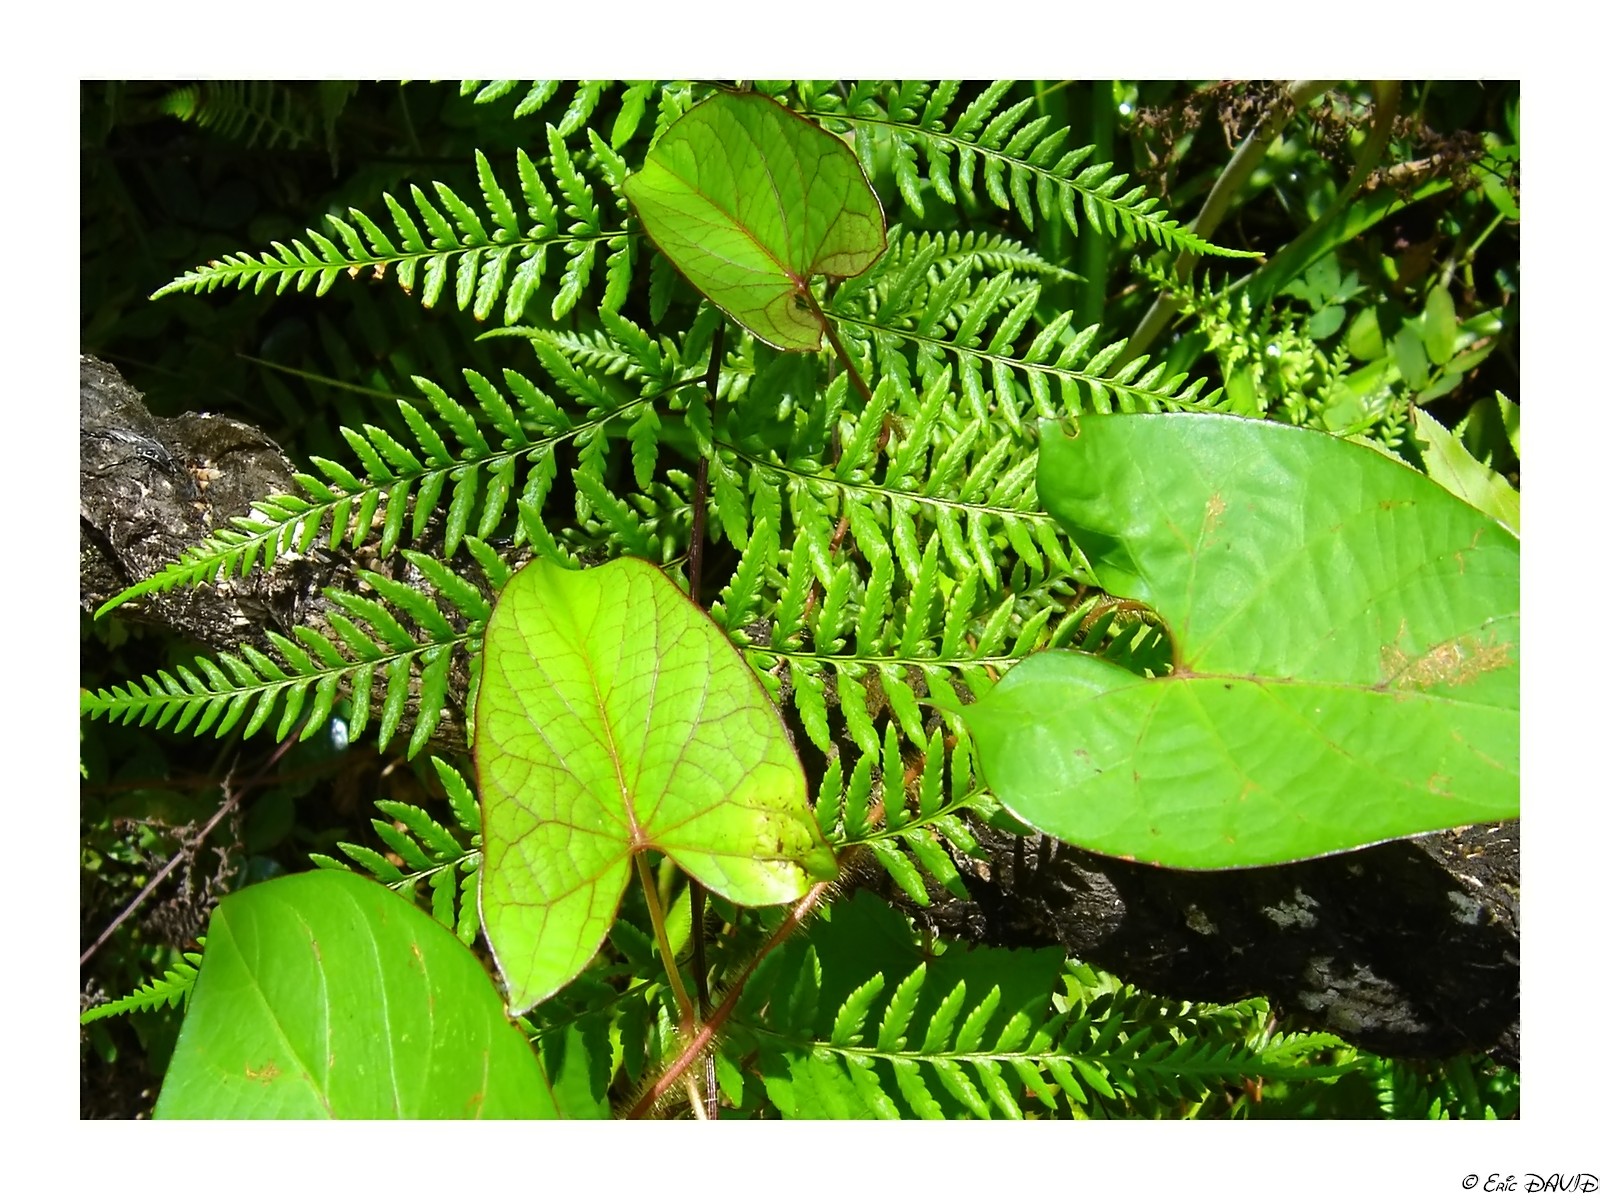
(1234,176)
(701,1041)
(697,556)
(697,531)
(686,1012)
(856,381)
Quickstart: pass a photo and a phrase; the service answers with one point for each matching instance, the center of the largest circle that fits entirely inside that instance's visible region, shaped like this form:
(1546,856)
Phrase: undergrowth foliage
(878,560)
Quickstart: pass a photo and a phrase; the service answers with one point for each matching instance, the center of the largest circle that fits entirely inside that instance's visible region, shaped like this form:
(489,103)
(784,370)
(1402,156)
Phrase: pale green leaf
(614,717)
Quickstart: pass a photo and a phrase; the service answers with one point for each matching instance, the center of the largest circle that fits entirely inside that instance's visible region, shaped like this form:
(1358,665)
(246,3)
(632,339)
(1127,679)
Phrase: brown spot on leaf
(1453,663)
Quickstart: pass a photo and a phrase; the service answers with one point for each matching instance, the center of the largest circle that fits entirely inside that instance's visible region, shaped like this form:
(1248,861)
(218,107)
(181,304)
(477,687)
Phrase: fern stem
(697,534)
(697,552)
(886,660)
(1157,399)
(874,489)
(1092,251)
(697,963)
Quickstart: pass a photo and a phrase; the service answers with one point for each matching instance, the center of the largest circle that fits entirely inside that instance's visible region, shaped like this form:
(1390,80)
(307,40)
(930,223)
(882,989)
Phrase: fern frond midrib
(888,493)
(925,821)
(171,989)
(1139,1062)
(264,266)
(154,695)
(1154,397)
(471,860)
(1160,227)
(886,660)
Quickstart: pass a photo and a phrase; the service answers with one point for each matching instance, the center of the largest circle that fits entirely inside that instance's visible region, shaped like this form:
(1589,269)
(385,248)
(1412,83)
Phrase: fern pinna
(827,1029)
(874,543)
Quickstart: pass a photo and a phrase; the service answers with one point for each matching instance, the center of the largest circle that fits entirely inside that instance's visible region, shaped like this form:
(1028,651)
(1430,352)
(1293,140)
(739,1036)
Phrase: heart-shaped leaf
(327,995)
(750,201)
(1345,641)
(613,717)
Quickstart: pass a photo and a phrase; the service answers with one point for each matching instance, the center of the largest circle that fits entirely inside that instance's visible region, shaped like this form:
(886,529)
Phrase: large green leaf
(613,717)
(327,995)
(1345,642)
(750,201)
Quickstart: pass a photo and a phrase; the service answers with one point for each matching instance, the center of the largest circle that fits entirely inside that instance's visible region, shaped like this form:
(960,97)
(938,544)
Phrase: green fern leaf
(942,1023)
(375,864)
(439,843)
(949,1072)
(170,991)
(857,802)
(971,1034)
(448,240)
(916,1091)
(897,1014)
(852,1014)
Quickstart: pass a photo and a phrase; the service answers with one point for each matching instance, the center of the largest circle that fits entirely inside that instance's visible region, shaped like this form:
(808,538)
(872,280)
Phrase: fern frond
(429,853)
(620,349)
(1031,385)
(171,990)
(891,621)
(216,695)
(1467,1087)
(948,250)
(256,112)
(498,251)
(910,132)
(405,485)
(899,807)
(964,1052)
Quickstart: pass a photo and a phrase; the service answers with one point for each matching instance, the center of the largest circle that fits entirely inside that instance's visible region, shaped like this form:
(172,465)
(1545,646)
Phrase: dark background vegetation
(177,173)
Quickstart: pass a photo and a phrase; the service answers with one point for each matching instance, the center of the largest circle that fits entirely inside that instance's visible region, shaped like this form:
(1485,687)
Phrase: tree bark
(149,489)
(1408,948)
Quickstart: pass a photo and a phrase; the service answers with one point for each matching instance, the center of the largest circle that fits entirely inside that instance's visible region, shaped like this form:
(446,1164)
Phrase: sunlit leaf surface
(1346,645)
(614,716)
(750,201)
(326,995)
